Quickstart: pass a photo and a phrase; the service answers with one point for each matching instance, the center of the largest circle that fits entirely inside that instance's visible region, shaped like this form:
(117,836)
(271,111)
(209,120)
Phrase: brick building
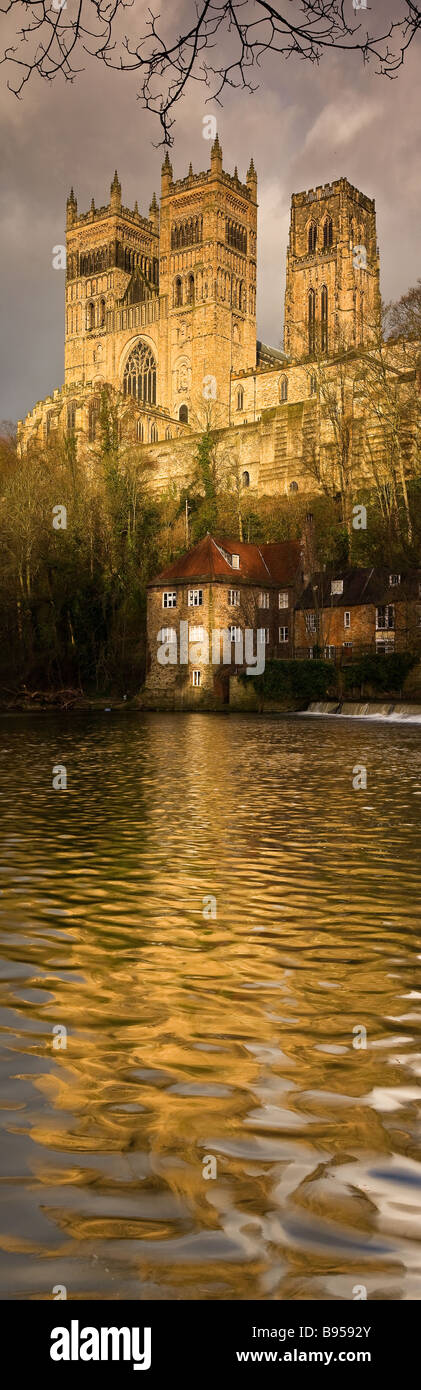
(208,612)
(358,610)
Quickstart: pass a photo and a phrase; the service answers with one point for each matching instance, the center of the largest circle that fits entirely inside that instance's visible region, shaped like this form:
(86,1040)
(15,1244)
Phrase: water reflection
(191,1035)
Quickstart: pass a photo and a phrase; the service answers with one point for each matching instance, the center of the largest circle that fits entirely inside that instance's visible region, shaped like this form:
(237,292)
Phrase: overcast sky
(305,125)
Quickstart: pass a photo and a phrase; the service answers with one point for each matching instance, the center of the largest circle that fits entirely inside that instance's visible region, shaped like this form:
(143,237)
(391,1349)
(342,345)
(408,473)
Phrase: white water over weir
(396,710)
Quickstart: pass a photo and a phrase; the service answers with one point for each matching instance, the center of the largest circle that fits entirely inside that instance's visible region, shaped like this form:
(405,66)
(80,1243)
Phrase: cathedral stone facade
(162,309)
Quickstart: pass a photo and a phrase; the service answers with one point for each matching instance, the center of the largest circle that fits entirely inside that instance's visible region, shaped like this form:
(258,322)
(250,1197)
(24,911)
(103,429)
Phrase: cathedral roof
(270,357)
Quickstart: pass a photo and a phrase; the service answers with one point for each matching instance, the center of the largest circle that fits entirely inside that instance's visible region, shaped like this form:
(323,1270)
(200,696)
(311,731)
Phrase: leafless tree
(221,43)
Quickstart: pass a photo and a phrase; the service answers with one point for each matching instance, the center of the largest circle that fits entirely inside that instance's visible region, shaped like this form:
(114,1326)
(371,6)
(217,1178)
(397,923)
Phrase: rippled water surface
(199,1030)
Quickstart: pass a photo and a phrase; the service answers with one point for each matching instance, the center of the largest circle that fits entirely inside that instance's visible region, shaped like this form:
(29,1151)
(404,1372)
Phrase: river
(210,1008)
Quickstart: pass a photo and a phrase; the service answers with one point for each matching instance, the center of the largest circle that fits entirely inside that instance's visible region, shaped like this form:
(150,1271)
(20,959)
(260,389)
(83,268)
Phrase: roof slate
(276,562)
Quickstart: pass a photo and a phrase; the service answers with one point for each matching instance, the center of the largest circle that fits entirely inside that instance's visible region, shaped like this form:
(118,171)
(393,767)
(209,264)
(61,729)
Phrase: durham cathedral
(162,309)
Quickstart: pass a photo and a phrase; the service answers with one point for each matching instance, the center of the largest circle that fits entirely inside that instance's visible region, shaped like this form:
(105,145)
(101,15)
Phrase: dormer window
(337,586)
(235,561)
(394,579)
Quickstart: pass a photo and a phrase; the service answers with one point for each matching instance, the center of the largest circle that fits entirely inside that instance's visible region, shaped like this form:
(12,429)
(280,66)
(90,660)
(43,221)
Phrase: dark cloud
(305,125)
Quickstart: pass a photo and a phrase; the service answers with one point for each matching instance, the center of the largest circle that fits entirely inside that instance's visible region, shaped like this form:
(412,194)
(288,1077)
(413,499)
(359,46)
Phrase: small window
(245,477)
(195,599)
(313,385)
(196,677)
(169,598)
(385,617)
(293,487)
(183,414)
(140,432)
(235,633)
(337,586)
(167,634)
(283,599)
(263,635)
(264,600)
(196,634)
(394,579)
(154,434)
(329,653)
(235,561)
(311,622)
(347,620)
(240,399)
(178,293)
(283,389)
(71,416)
(168,433)
(283,634)
(233,597)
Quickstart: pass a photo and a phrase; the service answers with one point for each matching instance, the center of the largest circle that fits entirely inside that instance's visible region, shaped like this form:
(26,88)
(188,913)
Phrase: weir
(397,710)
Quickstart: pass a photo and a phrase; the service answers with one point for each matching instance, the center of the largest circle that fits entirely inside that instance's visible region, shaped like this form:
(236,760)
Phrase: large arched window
(327,233)
(311,321)
(190,289)
(183,414)
(312,237)
(178,293)
(324,306)
(139,378)
(90,317)
(140,433)
(154,434)
(283,389)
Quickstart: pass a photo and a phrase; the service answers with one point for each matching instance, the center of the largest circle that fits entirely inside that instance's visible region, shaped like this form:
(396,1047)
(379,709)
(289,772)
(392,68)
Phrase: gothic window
(293,487)
(242,297)
(93,419)
(90,316)
(240,399)
(327,233)
(236,236)
(71,416)
(311,321)
(178,293)
(324,332)
(183,414)
(168,433)
(139,379)
(140,433)
(190,289)
(154,434)
(245,478)
(102,313)
(283,390)
(312,237)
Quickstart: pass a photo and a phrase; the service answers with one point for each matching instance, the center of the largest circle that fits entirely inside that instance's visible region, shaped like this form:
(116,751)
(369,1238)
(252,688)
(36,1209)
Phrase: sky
(305,125)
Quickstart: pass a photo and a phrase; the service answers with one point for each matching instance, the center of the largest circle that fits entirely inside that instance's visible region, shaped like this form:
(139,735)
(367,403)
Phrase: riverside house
(353,611)
(212,610)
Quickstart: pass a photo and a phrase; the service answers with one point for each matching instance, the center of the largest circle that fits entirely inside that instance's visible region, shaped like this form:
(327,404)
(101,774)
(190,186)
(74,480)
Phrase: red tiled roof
(276,562)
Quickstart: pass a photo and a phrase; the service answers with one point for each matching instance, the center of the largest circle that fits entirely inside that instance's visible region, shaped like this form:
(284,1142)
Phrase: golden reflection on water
(190,1035)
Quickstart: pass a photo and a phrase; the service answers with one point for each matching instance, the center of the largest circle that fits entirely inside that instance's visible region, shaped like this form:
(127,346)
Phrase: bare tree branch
(222,45)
